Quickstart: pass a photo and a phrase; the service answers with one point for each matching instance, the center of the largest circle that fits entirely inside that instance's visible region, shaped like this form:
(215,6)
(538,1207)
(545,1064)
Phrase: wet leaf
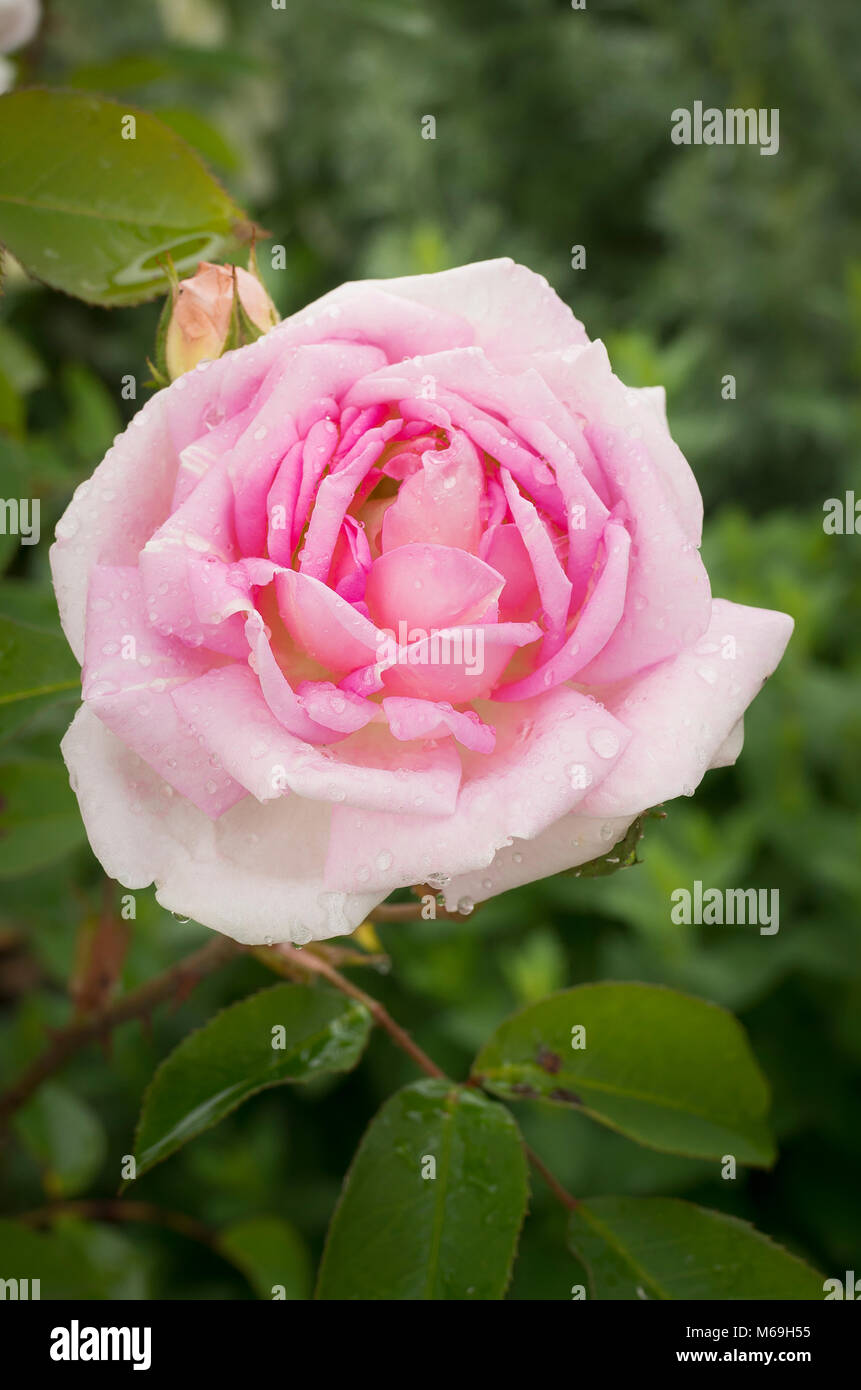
(658,1247)
(287,1033)
(433,1202)
(93,193)
(272,1256)
(668,1070)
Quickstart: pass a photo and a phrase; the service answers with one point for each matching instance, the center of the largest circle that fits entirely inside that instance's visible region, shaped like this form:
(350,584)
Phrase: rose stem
(138,1003)
(116,1209)
(310,962)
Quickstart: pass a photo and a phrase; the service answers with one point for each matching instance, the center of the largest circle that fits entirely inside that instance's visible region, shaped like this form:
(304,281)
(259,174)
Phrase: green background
(552,131)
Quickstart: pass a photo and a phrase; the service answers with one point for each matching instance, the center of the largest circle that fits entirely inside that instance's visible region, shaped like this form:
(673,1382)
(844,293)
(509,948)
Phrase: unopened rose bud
(203,317)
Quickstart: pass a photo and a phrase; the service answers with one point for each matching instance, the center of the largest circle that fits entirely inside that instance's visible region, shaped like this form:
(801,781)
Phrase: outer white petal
(682,712)
(511,309)
(573,839)
(255,874)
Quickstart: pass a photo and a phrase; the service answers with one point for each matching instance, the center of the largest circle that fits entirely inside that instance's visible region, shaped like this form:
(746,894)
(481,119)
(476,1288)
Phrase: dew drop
(603,742)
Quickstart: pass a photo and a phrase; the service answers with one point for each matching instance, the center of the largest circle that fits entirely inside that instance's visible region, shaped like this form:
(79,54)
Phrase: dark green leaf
(19,362)
(64,1136)
(50,1259)
(235,1055)
(39,817)
(399,1234)
(658,1247)
(271,1255)
(666,1069)
(202,135)
(89,211)
(36,667)
(93,415)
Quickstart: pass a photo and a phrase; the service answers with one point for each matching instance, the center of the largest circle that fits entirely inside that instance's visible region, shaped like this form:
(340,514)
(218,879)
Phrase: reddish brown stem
(310,961)
(138,1003)
(113,1209)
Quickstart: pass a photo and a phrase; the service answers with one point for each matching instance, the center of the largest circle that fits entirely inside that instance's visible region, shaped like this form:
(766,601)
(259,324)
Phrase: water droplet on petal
(604,742)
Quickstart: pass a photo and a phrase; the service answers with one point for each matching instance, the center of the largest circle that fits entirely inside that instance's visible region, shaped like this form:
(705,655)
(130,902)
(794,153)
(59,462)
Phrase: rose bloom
(407,591)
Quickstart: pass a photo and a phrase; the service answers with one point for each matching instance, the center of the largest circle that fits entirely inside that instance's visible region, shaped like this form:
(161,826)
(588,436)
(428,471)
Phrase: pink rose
(406,591)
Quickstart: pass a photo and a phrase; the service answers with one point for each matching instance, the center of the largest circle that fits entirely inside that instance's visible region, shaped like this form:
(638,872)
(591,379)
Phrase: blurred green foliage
(552,131)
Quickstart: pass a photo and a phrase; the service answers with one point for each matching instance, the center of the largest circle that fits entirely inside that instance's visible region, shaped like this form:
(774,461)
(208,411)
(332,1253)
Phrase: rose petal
(553,584)
(457,664)
(571,841)
(546,757)
(511,309)
(409,719)
(130,673)
(256,874)
(366,769)
(682,712)
(430,586)
(440,503)
(593,627)
(323,624)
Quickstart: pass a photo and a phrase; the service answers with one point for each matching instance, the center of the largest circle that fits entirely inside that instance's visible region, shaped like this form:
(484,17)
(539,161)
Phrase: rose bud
(206,321)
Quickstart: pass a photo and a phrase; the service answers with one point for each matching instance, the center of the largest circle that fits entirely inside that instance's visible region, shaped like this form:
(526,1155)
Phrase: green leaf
(668,1070)
(11,407)
(50,1259)
(14,484)
(30,602)
(398,1234)
(89,211)
(202,135)
(121,1266)
(234,1056)
(659,1247)
(271,1254)
(93,418)
(39,817)
(65,1138)
(36,668)
(19,362)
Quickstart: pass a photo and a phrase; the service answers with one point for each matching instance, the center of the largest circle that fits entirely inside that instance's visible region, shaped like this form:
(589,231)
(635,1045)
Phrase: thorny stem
(178,981)
(304,960)
(138,1003)
(553,1183)
(309,961)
